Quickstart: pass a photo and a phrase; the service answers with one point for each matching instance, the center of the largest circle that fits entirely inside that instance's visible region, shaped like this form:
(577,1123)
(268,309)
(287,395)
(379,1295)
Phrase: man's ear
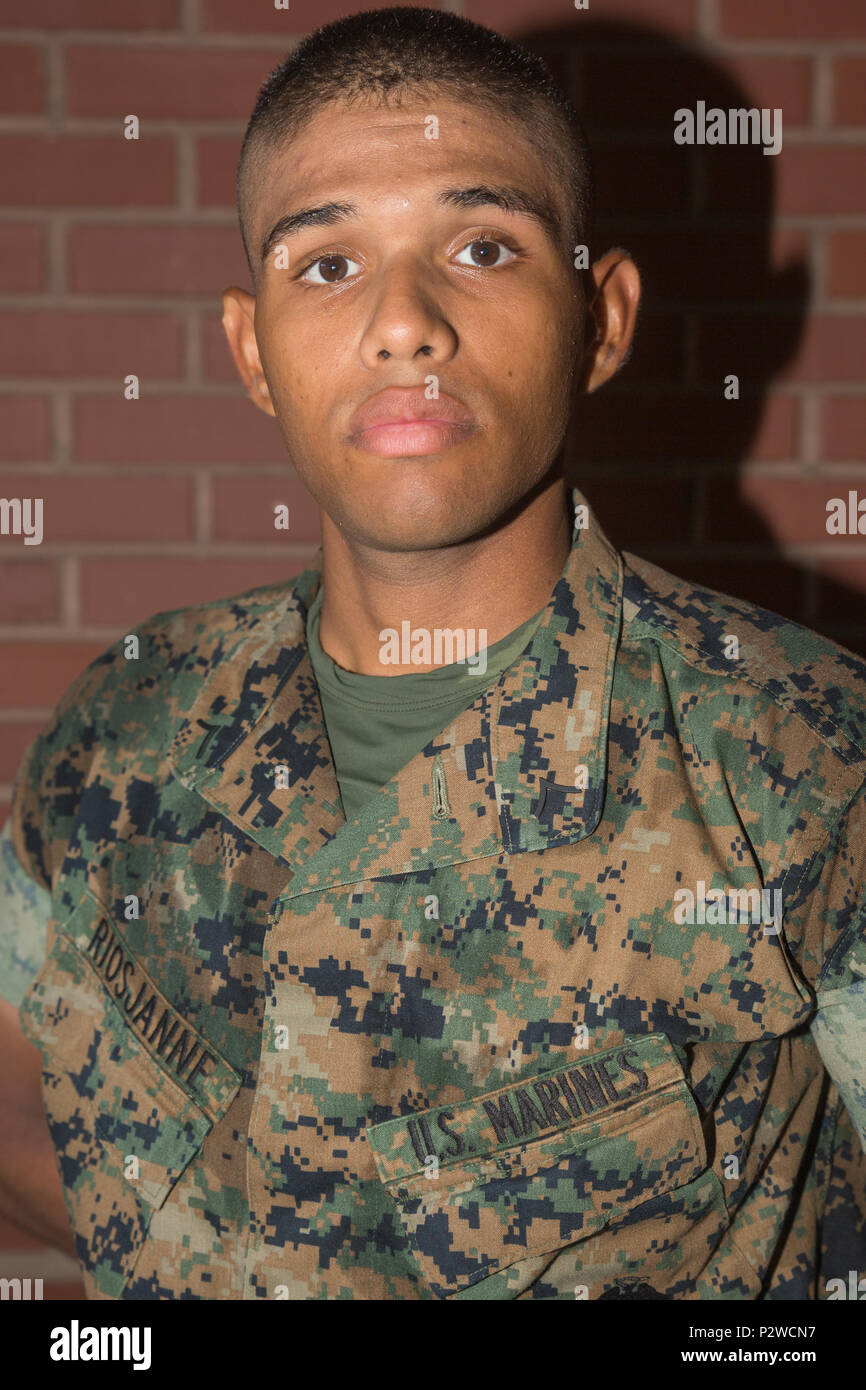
(239,310)
(612,314)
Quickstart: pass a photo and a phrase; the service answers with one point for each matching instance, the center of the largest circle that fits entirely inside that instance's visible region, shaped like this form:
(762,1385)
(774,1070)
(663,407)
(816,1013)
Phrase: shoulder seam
(686,649)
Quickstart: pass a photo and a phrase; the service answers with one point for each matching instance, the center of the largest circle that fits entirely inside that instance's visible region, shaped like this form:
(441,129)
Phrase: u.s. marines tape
(493,1133)
(549,1158)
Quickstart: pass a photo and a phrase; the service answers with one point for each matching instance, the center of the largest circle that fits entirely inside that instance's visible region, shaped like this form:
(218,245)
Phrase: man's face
(412,287)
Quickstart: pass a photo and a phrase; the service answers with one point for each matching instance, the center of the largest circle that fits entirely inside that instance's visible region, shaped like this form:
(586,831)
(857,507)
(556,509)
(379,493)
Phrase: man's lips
(400,421)
(406,438)
(399,406)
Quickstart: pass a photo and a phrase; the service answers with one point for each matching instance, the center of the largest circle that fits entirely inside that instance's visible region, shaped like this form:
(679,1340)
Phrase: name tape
(172,1042)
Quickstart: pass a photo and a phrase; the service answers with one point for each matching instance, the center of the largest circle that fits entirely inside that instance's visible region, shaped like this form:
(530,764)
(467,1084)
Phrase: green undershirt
(376,724)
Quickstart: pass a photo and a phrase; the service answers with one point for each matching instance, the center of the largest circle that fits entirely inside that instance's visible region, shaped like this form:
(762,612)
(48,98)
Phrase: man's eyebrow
(326,215)
(507,197)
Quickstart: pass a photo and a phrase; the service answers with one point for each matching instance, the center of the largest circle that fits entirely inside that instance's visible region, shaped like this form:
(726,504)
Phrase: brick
(656,182)
(830,348)
(842,588)
(230,17)
(680,264)
(791,245)
(657,350)
(775,583)
(514,16)
(217,361)
(57,1292)
(243,509)
(29,591)
(184,428)
(849,91)
(657,354)
(22,257)
(781,511)
(844,427)
(121,593)
(149,260)
(88,14)
(82,506)
(13,1238)
(87,170)
(33,675)
(22,79)
(680,427)
(822,179)
(792,19)
(16,736)
(25,428)
(649,86)
(637,512)
(772,81)
(180,82)
(217,162)
(808,179)
(652,85)
(778,429)
(846,264)
(82,343)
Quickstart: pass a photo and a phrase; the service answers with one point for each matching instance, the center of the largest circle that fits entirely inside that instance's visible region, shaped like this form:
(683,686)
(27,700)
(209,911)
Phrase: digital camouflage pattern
(461,1046)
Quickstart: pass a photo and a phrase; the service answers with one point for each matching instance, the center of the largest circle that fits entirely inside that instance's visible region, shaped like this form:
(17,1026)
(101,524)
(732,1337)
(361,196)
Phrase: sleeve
(839,1026)
(45,798)
(25,882)
(25,907)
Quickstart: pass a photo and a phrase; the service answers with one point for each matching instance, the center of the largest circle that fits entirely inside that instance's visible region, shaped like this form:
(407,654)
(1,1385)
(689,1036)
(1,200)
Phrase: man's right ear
(239,310)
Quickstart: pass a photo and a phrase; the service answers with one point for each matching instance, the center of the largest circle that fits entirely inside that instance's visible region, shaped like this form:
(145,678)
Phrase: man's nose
(407,320)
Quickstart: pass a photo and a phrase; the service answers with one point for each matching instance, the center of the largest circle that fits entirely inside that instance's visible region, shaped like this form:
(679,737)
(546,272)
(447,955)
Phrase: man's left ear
(239,310)
(613,312)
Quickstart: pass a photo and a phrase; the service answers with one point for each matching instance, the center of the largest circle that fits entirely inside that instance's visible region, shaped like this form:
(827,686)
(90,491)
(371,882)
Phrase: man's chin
(410,515)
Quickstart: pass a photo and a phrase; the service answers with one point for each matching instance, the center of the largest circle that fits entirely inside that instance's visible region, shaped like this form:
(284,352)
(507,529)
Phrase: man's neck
(484,588)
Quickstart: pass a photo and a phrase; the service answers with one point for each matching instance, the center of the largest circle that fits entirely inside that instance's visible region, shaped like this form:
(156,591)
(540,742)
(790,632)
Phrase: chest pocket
(542,1163)
(130,1089)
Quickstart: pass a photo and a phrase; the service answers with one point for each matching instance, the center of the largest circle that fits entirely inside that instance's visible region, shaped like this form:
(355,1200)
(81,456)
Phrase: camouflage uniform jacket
(543,1021)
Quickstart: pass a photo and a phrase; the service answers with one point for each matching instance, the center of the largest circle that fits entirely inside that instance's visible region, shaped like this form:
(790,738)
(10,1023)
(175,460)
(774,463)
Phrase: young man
(360,971)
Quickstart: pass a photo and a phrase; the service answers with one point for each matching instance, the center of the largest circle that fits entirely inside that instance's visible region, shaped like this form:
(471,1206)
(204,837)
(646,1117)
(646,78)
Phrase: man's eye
(484,251)
(330,270)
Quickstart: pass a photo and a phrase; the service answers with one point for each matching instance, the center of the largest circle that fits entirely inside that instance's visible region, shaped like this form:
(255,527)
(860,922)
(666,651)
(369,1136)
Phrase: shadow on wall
(658,450)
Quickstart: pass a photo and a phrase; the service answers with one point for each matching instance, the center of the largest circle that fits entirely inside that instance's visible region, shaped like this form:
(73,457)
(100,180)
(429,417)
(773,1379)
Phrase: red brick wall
(113,254)
(753,265)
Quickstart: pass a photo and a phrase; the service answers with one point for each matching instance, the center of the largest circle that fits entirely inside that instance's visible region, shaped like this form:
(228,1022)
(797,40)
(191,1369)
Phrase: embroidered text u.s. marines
(544,1017)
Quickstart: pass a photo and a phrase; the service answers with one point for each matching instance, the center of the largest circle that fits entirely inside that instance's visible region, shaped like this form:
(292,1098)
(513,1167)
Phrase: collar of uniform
(522,768)
(550,720)
(255,723)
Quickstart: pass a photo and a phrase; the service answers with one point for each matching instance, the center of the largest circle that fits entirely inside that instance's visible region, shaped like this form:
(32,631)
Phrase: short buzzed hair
(378,54)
